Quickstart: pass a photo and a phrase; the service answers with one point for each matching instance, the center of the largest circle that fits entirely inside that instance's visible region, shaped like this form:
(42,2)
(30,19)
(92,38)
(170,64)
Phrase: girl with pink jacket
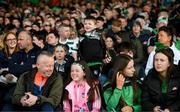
(82,93)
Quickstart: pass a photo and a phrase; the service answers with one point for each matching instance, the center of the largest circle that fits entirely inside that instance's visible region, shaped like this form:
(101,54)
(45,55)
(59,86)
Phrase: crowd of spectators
(90,55)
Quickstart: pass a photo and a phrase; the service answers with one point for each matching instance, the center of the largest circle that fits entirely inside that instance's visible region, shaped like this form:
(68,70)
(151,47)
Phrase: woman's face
(129,70)
(77,73)
(161,62)
(11,41)
(109,43)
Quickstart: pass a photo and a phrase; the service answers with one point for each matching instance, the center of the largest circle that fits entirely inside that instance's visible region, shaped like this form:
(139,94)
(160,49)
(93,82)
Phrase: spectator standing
(92,55)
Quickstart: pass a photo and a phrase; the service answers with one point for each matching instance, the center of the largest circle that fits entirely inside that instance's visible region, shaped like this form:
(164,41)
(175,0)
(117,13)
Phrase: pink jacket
(79,97)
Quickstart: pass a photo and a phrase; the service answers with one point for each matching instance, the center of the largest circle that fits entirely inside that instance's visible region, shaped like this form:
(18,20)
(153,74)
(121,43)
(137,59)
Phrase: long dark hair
(89,80)
(170,55)
(120,64)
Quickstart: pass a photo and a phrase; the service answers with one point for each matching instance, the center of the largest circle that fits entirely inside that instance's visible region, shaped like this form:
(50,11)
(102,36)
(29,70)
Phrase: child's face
(89,25)
(73,35)
(99,24)
(77,73)
(115,28)
(60,53)
(136,29)
(129,70)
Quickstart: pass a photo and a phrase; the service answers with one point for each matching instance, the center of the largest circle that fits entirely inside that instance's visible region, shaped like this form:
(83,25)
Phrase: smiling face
(11,41)
(109,43)
(45,65)
(161,63)
(77,73)
(89,25)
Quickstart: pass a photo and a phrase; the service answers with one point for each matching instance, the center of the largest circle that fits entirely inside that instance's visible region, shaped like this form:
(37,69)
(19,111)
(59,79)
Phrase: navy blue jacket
(3,59)
(22,61)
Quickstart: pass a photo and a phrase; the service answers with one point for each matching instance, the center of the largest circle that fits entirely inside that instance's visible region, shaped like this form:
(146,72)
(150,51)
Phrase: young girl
(82,93)
(121,94)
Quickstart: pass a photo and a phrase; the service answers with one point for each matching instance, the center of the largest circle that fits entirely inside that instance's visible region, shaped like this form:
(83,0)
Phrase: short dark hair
(125,46)
(100,18)
(55,33)
(166,29)
(169,32)
(90,18)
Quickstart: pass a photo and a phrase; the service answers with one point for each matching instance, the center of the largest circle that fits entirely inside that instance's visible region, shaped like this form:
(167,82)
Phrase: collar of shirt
(39,79)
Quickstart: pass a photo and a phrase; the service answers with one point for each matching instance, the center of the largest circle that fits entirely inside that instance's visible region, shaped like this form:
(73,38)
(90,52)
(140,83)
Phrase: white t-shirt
(149,64)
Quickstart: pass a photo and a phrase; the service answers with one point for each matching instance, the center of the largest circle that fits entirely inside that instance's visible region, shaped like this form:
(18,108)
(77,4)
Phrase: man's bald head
(45,63)
(24,40)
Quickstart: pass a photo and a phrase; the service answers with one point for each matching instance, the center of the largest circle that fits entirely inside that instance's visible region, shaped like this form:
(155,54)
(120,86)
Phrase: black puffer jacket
(152,95)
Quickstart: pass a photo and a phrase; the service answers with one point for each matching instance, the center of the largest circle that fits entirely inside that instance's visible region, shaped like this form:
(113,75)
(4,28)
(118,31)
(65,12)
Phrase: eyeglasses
(14,39)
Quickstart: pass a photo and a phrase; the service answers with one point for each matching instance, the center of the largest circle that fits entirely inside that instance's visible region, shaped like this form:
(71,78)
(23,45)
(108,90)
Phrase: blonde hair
(2,35)
(6,49)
